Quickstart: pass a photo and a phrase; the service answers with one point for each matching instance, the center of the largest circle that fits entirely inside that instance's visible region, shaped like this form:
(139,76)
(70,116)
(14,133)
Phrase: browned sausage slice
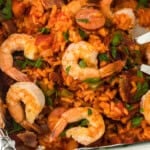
(90,18)
(49,3)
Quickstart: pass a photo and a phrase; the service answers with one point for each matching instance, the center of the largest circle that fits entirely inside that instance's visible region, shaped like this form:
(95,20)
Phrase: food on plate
(70,73)
(77,51)
(84,135)
(30,95)
(16,42)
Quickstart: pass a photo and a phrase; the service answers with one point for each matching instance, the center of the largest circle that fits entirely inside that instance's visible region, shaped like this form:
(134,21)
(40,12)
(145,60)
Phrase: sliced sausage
(90,18)
(9,26)
(49,3)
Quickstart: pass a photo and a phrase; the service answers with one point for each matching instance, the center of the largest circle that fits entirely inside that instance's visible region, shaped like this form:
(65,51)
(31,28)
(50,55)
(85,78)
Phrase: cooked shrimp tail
(16,42)
(111,68)
(59,127)
(84,50)
(30,95)
(85,136)
(17,75)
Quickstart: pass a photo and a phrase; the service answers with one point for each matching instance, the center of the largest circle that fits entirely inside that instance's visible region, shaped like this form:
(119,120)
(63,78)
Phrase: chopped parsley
(16,127)
(129,107)
(114,52)
(117,37)
(68,69)
(84,123)
(66,36)
(140,74)
(142,3)
(136,121)
(142,88)
(45,30)
(1,2)
(82,63)
(84,20)
(141,110)
(83,34)
(126,50)
(24,63)
(103,57)
(63,134)
(89,112)
(5,9)
(49,101)
(38,63)
(93,82)
(50,92)
(66,93)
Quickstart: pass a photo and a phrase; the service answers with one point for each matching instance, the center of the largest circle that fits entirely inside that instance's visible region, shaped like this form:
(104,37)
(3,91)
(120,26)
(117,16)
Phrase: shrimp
(31,96)
(123,18)
(2,114)
(16,42)
(85,51)
(83,135)
(145,105)
(54,116)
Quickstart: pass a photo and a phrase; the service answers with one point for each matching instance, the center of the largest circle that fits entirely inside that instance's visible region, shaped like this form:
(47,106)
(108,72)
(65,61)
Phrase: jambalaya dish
(70,73)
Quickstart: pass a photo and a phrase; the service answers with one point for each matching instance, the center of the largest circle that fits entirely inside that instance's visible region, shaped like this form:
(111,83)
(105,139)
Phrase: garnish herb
(103,57)
(84,20)
(83,34)
(45,30)
(66,93)
(116,39)
(142,88)
(141,110)
(16,127)
(1,2)
(63,134)
(6,11)
(68,69)
(84,123)
(140,74)
(49,101)
(129,107)
(89,112)
(126,50)
(142,3)
(50,92)
(129,64)
(136,121)
(137,58)
(38,63)
(66,36)
(114,52)
(82,63)
(92,80)
(24,63)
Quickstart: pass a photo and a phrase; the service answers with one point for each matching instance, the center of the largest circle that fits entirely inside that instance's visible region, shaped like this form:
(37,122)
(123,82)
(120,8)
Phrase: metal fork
(6,143)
